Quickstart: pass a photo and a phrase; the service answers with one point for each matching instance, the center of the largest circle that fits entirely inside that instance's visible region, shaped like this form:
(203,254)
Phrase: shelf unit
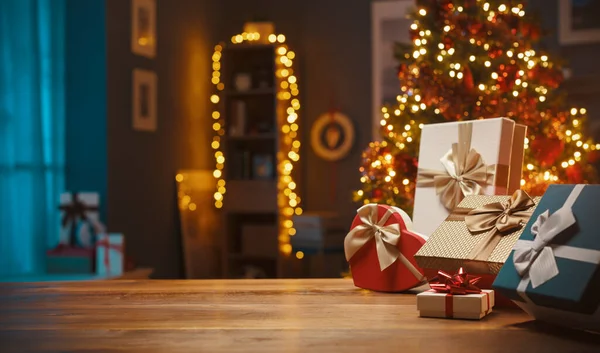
(254,118)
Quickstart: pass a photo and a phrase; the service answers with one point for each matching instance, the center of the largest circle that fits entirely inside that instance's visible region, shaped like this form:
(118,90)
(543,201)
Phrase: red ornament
(377,194)
(546,150)
(468,79)
(575,174)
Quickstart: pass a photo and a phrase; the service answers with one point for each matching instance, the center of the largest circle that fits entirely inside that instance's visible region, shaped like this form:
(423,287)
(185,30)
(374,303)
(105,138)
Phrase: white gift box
(84,230)
(110,254)
(444,305)
(500,144)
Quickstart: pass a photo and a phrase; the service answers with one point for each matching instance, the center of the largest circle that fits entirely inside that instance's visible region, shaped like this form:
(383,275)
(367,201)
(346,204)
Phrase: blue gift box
(553,270)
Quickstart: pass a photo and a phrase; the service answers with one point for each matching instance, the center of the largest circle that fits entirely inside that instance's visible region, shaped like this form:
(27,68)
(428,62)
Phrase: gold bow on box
(465,172)
(386,237)
(479,234)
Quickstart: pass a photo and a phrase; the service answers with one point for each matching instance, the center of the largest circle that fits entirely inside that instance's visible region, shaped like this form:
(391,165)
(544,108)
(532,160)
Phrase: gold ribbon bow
(497,218)
(464,174)
(386,238)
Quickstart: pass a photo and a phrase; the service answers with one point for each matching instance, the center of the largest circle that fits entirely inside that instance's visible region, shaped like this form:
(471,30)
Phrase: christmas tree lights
(474,59)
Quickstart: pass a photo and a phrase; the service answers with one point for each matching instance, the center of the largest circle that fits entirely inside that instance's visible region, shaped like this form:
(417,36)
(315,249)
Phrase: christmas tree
(475,59)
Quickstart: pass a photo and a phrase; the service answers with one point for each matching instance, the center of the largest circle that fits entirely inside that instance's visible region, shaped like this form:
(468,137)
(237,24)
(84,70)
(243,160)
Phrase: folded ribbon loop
(465,172)
(537,258)
(505,216)
(458,284)
(386,236)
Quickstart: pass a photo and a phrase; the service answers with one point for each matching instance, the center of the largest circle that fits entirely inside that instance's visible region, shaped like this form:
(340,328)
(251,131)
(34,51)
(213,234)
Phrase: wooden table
(328,315)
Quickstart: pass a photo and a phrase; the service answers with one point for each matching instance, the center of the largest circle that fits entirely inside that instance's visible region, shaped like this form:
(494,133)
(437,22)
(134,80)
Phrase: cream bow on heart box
(380,249)
(386,237)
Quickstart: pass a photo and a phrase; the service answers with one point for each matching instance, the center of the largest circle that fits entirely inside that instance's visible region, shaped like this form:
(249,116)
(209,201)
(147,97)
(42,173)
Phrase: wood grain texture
(325,315)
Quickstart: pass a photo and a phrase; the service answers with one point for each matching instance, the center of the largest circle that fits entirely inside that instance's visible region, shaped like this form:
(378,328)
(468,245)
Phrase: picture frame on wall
(144,100)
(143,27)
(389,25)
(578,21)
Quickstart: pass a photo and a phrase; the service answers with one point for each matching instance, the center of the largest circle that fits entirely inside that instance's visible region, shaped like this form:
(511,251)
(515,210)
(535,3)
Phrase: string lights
(287,107)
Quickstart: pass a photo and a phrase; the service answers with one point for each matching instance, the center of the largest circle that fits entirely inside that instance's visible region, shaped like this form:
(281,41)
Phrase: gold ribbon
(498,219)
(386,238)
(465,172)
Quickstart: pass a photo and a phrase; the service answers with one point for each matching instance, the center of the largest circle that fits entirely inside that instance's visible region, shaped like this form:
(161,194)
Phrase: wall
(142,165)
(333,46)
(85,85)
(583,87)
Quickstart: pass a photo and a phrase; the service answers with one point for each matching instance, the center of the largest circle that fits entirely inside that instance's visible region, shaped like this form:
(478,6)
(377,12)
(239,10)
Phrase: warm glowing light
(299,255)
(289,144)
(422,12)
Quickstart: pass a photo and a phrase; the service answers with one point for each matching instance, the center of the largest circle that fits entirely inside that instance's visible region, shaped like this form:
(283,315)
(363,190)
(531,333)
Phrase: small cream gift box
(446,305)
(481,157)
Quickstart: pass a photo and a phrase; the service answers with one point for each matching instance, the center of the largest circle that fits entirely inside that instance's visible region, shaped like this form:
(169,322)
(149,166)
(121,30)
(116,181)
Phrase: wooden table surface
(327,315)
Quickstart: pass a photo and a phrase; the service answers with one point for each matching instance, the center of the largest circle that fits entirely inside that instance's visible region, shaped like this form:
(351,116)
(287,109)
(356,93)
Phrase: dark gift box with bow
(553,271)
(478,235)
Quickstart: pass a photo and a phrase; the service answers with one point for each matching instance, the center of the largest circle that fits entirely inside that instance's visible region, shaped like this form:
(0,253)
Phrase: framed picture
(390,25)
(143,27)
(578,21)
(144,100)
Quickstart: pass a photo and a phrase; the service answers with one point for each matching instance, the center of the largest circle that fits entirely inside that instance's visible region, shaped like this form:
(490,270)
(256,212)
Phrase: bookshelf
(253,112)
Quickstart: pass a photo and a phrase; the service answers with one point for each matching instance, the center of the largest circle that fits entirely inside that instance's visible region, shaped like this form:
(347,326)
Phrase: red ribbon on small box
(461,283)
(105,242)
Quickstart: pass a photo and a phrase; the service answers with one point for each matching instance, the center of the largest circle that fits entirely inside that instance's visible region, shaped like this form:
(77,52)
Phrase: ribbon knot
(497,219)
(386,236)
(537,258)
(506,216)
(465,173)
(460,283)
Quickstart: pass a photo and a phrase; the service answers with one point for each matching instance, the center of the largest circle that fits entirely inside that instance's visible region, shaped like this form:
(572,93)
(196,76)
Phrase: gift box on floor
(80,218)
(553,272)
(446,305)
(380,248)
(65,259)
(482,157)
(79,227)
(110,254)
(479,234)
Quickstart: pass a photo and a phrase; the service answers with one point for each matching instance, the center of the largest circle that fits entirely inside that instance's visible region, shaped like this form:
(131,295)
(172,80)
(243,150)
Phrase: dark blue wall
(86,145)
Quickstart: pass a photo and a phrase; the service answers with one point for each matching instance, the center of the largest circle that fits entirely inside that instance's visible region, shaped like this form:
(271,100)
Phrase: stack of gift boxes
(84,246)
(480,241)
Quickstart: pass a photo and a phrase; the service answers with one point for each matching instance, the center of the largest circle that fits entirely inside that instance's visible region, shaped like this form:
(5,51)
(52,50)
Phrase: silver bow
(386,237)
(536,258)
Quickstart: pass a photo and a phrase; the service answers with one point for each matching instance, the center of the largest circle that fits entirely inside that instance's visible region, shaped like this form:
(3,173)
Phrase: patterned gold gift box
(479,234)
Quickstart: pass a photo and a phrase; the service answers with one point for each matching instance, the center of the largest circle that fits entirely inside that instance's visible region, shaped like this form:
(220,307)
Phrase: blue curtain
(32,131)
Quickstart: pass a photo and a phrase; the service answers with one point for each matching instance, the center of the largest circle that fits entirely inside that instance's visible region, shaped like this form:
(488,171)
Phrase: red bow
(459,283)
